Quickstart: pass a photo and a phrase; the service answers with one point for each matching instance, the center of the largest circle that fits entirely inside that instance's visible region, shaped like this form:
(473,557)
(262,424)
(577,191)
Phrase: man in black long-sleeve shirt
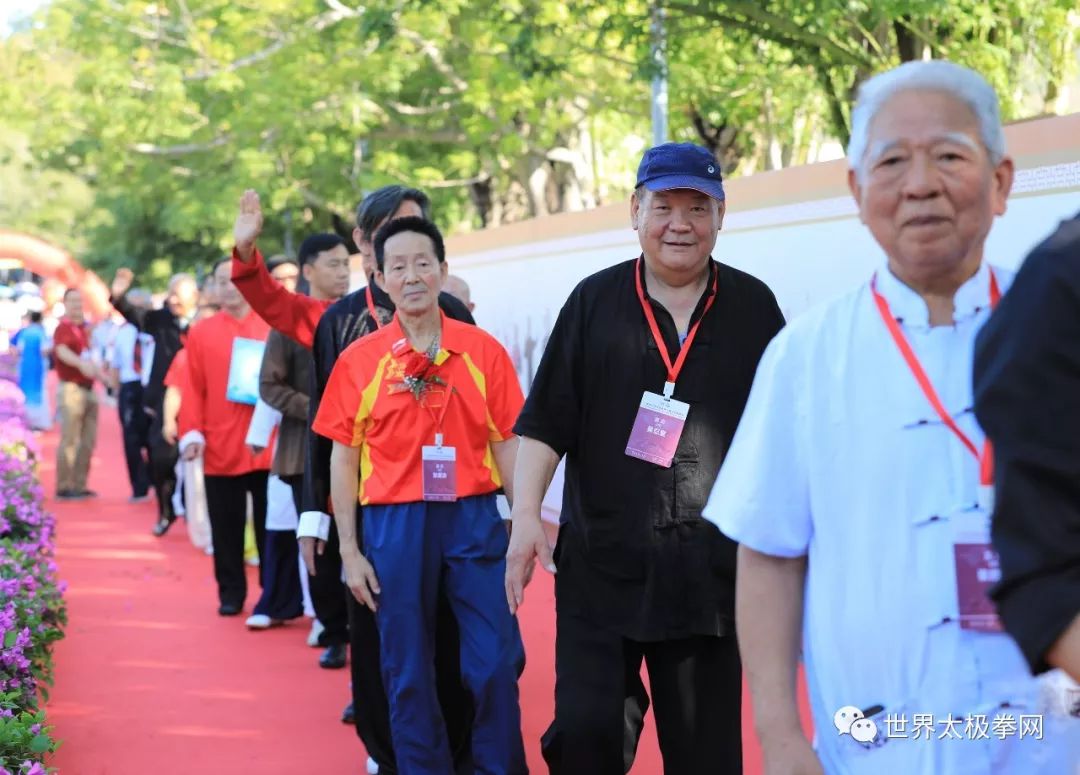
(1027,398)
(168,327)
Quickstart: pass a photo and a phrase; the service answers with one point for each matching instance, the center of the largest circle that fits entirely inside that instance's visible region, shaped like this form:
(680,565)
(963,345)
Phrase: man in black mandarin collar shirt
(641,387)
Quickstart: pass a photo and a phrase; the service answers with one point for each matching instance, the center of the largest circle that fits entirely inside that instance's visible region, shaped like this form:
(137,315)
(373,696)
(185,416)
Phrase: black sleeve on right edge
(1027,398)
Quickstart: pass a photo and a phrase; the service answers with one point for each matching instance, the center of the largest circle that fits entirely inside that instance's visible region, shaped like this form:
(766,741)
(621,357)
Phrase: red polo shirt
(205,408)
(363,406)
(177,375)
(76,339)
(293,314)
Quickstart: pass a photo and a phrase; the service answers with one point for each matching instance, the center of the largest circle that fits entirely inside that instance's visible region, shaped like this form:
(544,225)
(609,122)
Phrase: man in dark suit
(167,326)
(1027,398)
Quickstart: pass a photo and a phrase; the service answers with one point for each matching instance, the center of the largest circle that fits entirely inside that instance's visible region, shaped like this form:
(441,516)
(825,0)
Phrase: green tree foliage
(1026,48)
(132,126)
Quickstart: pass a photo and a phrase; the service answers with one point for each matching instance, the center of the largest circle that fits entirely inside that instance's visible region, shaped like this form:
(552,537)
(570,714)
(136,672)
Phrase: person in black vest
(167,326)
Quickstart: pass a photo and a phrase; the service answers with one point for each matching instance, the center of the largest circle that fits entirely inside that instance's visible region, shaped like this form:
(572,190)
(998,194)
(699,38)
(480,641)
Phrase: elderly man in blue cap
(641,387)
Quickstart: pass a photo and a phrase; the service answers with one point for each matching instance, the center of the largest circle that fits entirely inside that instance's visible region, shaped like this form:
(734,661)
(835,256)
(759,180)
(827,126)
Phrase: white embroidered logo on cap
(712,169)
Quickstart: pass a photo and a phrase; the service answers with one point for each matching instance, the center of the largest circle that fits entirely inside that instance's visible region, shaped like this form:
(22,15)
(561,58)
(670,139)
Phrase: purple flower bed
(12,402)
(32,614)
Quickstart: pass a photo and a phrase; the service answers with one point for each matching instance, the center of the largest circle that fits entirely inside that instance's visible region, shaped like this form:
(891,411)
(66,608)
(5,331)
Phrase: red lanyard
(673,369)
(986,458)
(438,418)
(371,306)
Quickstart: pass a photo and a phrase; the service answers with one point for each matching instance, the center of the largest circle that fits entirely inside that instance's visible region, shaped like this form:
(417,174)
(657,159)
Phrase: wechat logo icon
(849,720)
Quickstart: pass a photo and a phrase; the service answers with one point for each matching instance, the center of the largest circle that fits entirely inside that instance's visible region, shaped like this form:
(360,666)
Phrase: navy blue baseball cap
(681,165)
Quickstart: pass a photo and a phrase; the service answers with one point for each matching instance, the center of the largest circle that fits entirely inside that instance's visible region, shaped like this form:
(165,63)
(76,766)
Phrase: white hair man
(857,481)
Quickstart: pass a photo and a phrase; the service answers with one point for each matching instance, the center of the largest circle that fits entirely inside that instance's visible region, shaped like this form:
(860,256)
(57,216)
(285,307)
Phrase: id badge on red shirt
(657,429)
(440,473)
(977,570)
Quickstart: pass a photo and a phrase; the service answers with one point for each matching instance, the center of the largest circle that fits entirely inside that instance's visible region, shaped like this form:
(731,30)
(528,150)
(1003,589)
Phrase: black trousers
(282,596)
(163,457)
(696,688)
(135,424)
(369,696)
(226,502)
(327,592)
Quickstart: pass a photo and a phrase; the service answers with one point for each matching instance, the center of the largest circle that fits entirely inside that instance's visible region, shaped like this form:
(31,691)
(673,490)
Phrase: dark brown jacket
(283,383)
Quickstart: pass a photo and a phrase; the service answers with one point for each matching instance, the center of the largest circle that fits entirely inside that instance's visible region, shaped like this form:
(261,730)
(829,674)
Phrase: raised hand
(121,282)
(248,225)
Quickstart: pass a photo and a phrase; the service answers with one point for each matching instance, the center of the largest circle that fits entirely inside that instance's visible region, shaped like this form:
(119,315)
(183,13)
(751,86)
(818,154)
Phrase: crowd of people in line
(740,494)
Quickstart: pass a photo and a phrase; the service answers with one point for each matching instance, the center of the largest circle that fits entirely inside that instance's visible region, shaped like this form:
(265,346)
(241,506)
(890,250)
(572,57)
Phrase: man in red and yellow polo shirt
(421,413)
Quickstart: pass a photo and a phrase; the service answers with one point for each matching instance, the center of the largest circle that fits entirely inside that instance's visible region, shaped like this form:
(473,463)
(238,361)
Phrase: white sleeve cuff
(189,438)
(314,524)
(263,421)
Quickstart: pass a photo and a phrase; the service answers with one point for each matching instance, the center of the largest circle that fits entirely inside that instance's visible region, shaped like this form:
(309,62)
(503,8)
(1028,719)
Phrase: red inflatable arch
(50,261)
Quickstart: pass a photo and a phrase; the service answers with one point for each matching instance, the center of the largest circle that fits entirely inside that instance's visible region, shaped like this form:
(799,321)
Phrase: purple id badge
(977,570)
(440,473)
(657,429)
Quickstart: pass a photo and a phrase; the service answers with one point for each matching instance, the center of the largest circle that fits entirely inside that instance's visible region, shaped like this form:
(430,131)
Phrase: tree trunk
(838,116)
(480,194)
(908,47)
(290,236)
(718,138)
(536,183)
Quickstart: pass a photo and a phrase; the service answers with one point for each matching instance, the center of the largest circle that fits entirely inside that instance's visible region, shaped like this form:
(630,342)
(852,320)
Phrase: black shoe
(333,658)
(65,495)
(228,609)
(162,526)
(348,716)
(87,494)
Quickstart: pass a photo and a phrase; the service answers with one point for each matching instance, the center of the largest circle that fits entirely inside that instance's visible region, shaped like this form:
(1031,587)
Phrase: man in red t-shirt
(75,400)
(224,354)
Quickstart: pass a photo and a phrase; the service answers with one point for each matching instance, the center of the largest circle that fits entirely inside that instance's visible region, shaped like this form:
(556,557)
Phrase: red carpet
(150,681)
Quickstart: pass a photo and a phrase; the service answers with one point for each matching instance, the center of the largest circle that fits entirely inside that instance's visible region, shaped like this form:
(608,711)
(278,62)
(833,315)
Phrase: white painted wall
(806,253)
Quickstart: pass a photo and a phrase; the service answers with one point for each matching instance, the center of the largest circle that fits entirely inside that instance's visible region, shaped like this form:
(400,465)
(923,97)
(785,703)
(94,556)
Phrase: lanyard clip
(438,440)
(669,389)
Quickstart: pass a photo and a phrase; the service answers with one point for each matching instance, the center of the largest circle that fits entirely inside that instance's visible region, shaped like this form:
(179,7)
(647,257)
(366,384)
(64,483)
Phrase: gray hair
(181,277)
(958,81)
